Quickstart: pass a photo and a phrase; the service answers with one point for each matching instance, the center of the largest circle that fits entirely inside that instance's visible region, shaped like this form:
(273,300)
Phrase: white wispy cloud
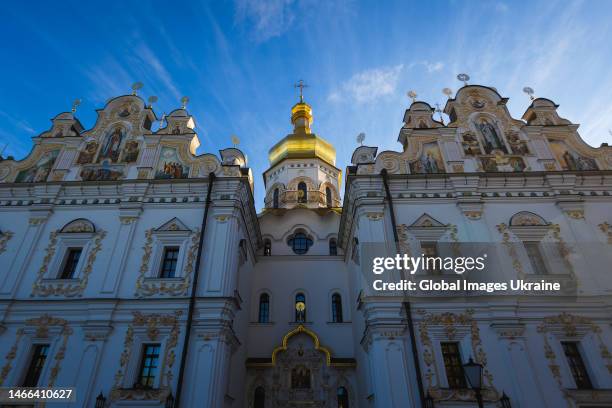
(369,85)
(269,18)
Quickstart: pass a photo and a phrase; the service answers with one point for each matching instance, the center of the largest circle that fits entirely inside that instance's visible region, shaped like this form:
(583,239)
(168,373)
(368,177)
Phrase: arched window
(300,243)
(300,307)
(343,399)
(267,247)
(275,198)
(264,308)
(302,192)
(328,197)
(259,400)
(333,247)
(336,308)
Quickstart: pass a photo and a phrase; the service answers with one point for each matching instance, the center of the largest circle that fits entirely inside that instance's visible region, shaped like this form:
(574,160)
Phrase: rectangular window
(576,364)
(430,250)
(71,261)
(168,267)
(452,365)
(148,366)
(535,257)
(37,362)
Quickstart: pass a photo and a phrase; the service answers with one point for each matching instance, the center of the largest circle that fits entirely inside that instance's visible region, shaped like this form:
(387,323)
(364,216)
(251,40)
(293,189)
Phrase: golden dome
(302,143)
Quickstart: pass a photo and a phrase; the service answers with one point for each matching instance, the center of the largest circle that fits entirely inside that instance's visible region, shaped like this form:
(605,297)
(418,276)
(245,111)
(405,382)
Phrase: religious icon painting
(130,151)
(87,154)
(40,171)
(490,136)
(517,164)
(489,164)
(104,172)
(112,145)
(569,160)
(430,161)
(170,165)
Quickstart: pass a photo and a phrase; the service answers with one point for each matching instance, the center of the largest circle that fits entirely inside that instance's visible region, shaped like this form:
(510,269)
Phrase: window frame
(587,382)
(337,313)
(309,242)
(162,271)
(66,241)
(259,308)
(295,311)
(302,186)
(67,258)
(461,382)
(30,362)
(333,252)
(141,366)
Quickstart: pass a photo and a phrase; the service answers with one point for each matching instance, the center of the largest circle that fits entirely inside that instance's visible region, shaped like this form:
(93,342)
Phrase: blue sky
(238,61)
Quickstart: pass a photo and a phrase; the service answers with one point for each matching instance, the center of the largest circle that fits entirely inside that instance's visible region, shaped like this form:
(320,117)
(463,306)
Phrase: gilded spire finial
(300,84)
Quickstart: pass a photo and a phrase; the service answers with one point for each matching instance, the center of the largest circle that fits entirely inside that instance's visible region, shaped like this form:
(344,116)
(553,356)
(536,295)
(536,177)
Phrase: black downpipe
(406,302)
(192,298)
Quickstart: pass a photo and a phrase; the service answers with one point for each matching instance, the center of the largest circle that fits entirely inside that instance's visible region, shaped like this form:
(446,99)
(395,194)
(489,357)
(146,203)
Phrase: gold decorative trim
(10,356)
(152,286)
(42,325)
(575,214)
(5,237)
(516,264)
(605,228)
(374,216)
(449,322)
(152,322)
(75,287)
(571,325)
(473,215)
(222,218)
(302,329)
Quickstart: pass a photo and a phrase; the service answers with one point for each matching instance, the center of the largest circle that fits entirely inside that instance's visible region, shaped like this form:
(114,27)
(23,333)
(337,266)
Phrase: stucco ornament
(41,325)
(453,325)
(65,287)
(153,324)
(150,286)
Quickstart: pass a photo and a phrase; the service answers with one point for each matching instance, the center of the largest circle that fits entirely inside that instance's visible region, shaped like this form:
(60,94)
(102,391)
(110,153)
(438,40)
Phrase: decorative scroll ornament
(152,323)
(149,286)
(451,324)
(65,287)
(5,237)
(571,326)
(605,228)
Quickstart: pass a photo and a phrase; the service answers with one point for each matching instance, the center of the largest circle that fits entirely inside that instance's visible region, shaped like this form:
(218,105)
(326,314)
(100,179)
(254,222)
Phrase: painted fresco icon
(104,172)
(130,151)
(87,155)
(491,139)
(170,165)
(570,160)
(40,171)
(111,148)
(430,161)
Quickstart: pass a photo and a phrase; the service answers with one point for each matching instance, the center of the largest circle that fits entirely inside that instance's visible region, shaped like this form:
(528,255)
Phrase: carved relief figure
(111,148)
(40,171)
(300,377)
(570,160)
(87,155)
(170,165)
(130,151)
(491,140)
(430,161)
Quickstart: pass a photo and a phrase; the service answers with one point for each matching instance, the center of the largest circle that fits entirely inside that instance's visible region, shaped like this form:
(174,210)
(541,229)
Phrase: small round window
(300,243)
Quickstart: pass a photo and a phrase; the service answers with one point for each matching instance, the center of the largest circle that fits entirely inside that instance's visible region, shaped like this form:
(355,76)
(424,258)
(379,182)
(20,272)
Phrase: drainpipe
(192,298)
(406,302)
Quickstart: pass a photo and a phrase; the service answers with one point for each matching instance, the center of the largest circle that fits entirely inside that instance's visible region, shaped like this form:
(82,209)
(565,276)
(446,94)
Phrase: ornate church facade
(140,272)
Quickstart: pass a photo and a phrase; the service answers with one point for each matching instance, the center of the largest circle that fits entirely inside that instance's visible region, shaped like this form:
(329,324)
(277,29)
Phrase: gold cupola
(302,143)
